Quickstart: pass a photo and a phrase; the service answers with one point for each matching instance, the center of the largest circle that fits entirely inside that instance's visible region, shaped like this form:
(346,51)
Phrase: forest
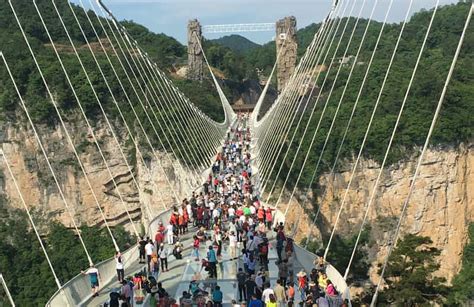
(21,259)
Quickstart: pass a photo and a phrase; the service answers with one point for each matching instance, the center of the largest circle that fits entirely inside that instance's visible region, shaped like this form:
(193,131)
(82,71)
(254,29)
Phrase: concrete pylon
(195,56)
(286,39)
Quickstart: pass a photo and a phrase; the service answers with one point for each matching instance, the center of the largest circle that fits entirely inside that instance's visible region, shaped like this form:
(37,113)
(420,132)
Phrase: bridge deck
(181,272)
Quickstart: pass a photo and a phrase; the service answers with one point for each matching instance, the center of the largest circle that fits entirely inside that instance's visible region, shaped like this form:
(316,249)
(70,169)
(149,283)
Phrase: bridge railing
(77,291)
(306,259)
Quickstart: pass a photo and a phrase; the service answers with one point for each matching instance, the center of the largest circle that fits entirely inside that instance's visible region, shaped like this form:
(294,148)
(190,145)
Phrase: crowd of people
(227,214)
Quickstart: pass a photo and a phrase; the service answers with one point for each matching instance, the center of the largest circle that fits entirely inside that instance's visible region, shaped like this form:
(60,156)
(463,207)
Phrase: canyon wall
(42,195)
(441,207)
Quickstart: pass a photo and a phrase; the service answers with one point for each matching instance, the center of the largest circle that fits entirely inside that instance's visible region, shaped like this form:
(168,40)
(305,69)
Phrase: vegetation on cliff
(455,123)
(463,283)
(24,266)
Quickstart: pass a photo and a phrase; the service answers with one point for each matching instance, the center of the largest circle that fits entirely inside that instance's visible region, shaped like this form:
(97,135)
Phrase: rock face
(286,42)
(441,207)
(160,182)
(195,56)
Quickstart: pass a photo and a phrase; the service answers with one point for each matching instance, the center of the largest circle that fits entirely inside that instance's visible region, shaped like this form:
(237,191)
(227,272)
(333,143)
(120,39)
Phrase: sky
(171,16)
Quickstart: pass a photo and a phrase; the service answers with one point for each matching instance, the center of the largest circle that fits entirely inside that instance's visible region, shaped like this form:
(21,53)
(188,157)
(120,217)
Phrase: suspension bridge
(185,144)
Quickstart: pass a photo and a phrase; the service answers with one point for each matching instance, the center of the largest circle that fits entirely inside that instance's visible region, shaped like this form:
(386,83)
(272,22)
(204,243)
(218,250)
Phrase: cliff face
(441,207)
(40,191)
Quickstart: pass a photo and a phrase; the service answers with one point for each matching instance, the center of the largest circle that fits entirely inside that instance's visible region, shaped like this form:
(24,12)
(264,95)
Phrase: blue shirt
(256,303)
(217,296)
(211,256)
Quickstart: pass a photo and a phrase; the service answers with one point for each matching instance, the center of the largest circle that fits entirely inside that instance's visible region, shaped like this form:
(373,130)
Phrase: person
(251,263)
(320,264)
(254,302)
(280,294)
(212,261)
(126,292)
(114,299)
(217,296)
(119,266)
(281,239)
(302,284)
(141,250)
(185,300)
(290,293)
(232,245)
(163,254)
(263,253)
(169,233)
(177,250)
(271,301)
(196,245)
(266,293)
(241,278)
(322,302)
(149,251)
(161,291)
(313,276)
(322,280)
(313,289)
(251,246)
(260,282)
(94,277)
(159,238)
(283,271)
(331,291)
(218,240)
(250,287)
(154,265)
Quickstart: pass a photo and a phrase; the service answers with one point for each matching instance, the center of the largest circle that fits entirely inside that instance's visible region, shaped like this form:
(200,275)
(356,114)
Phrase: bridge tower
(286,39)
(195,56)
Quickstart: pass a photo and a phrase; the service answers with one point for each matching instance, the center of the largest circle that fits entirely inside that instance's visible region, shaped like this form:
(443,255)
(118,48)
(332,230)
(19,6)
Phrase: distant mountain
(237,43)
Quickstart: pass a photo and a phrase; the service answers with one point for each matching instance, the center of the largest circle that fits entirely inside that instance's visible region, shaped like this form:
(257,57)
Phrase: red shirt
(159,237)
(173,219)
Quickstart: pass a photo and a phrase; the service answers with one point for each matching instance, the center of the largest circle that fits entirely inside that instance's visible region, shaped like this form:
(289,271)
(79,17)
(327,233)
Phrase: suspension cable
(134,90)
(89,81)
(283,106)
(287,127)
(30,218)
(423,152)
(40,143)
(392,137)
(311,114)
(367,130)
(89,127)
(110,90)
(309,151)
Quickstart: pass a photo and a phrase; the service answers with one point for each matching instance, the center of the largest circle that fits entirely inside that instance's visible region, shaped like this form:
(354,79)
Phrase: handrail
(76,291)
(306,258)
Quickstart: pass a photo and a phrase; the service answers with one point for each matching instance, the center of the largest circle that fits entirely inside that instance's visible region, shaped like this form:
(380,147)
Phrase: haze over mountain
(237,43)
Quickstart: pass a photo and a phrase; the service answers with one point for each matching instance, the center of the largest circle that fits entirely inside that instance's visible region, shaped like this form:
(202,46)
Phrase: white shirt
(118,265)
(169,229)
(232,240)
(266,294)
(231,211)
(215,213)
(149,249)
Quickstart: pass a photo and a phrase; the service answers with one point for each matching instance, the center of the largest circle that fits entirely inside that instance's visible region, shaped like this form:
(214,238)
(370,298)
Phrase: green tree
(462,290)
(410,274)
